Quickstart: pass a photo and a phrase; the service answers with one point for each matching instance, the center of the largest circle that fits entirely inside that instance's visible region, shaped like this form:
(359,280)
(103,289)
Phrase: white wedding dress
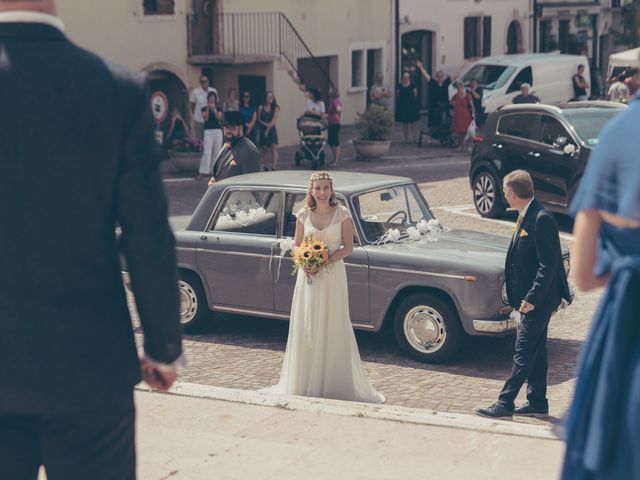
(322,357)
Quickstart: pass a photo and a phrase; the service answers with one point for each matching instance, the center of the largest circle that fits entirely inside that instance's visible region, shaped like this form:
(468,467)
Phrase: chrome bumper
(126,279)
(495,326)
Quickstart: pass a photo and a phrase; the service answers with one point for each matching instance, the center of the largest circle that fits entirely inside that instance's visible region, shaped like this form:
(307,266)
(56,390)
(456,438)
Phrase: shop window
(158,7)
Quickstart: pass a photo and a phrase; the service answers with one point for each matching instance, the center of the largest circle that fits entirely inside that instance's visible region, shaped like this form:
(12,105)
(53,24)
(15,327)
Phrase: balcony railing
(247,37)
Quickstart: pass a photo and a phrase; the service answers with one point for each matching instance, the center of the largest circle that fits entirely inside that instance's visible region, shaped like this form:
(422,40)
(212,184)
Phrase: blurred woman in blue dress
(603,422)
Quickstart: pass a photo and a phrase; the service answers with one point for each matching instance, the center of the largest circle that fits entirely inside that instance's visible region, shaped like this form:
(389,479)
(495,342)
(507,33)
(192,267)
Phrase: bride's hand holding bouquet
(311,256)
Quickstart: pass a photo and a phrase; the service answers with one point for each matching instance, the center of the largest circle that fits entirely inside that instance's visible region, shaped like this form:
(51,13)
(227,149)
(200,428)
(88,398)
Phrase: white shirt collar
(27,16)
(526,207)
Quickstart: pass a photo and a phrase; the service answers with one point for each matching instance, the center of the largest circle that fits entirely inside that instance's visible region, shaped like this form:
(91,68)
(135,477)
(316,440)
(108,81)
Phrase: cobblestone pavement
(247,353)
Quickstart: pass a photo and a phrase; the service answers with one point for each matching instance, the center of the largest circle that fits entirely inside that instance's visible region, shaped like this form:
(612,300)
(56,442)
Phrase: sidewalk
(183,437)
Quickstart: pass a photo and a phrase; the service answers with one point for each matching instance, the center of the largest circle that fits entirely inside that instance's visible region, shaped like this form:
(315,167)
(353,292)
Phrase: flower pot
(371,149)
(185,161)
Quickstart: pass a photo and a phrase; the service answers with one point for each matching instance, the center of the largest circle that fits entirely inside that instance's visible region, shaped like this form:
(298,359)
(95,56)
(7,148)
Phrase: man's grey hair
(525,85)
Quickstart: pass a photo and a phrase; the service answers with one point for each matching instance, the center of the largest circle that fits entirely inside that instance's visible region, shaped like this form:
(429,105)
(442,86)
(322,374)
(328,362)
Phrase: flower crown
(320,176)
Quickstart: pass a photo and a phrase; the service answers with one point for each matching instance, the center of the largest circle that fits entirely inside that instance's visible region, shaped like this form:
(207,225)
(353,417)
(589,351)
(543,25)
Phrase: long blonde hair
(309,201)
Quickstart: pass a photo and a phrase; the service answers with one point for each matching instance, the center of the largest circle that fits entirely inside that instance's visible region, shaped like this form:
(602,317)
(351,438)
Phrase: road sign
(159,106)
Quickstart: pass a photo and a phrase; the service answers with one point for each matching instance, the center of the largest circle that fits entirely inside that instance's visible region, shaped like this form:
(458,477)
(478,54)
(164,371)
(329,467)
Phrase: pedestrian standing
(250,117)
(603,422)
(618,91)
(380,92)
(462,104)
(267,118)
(407,107)
(239,155)
(334,116)
(580,85)
(536,285)
(67,351)
(438,92)
(476,95)
(314,104)
(212,135)
(198,100)
(231,103)
(524,96)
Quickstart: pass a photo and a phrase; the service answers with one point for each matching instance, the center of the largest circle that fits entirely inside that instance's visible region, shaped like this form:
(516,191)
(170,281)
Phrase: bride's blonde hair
(309,201)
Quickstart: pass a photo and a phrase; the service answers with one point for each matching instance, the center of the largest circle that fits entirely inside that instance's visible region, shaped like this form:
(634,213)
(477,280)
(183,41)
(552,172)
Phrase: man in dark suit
(67,352)
(536,284)
(238,155)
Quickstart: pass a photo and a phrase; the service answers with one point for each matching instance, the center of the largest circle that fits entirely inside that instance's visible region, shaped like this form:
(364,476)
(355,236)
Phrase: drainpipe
(535,26)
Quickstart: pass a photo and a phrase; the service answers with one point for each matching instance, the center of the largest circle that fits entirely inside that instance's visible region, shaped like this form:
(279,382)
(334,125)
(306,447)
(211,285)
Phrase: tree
(628,35)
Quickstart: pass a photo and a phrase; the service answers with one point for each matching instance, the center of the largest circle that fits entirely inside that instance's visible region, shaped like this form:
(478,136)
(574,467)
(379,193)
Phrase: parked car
(552,143)
(430,290)
(550,76)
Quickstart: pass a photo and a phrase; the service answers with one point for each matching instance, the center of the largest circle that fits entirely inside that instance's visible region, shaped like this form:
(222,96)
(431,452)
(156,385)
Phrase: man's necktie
(518,223)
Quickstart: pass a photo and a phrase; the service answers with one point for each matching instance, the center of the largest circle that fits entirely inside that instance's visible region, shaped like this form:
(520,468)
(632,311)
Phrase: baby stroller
(441,132)
(313,135)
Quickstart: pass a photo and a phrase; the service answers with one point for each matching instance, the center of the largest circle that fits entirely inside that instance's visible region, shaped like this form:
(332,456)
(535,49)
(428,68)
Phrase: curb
(365,410)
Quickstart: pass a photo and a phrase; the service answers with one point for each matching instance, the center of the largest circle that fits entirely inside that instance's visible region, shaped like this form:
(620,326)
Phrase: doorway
(514,38)
(417,45)
(256,85)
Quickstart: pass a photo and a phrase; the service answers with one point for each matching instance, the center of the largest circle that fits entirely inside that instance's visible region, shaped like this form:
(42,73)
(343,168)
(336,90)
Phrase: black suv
(551,142)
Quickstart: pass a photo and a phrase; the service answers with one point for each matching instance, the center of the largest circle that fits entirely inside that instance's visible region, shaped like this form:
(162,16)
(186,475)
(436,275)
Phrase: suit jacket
(242,158)
(534,270)
(77,157)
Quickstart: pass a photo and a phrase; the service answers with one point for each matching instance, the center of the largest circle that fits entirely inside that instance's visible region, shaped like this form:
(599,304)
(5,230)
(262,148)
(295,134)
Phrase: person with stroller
(267,118)
(407,107)
(438,98)
(463,113)
(314,105)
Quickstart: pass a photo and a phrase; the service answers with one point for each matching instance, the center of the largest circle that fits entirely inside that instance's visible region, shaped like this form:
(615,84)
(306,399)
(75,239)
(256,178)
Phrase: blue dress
(603,422)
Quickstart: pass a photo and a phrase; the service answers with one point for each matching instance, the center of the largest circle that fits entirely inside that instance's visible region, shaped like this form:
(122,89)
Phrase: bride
(322,357)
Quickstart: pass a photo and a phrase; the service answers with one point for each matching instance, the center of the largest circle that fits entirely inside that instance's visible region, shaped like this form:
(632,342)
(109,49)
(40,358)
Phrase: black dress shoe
(497,410)
(528,410)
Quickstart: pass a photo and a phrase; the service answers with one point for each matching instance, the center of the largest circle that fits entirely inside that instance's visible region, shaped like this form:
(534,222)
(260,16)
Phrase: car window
(551,129)
(522,125)
(525,76)
(249,212)
(389,208)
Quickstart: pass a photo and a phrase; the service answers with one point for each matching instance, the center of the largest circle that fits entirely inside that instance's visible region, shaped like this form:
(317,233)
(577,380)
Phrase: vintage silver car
(430,284)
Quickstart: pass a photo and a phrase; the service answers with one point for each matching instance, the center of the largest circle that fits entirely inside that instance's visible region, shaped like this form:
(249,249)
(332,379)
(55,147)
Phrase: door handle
(534,154)
(497,145)
(203,237)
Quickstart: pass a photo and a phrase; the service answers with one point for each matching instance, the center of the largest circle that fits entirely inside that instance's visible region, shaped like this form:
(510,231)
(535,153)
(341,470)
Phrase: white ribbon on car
(423,231)
(286,244)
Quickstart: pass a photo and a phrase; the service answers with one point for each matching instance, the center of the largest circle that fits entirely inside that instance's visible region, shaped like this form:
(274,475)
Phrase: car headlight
(503,293)
(566,263)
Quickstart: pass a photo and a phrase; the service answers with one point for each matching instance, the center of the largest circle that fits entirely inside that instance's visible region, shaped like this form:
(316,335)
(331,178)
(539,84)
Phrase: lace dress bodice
(331,235)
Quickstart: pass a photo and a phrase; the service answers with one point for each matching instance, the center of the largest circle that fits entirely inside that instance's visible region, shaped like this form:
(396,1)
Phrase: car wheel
(487,195)
(194,310)
(427,328)
(297,158)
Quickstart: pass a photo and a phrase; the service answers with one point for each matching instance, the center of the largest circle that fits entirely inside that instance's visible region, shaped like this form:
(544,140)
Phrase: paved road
(247,353)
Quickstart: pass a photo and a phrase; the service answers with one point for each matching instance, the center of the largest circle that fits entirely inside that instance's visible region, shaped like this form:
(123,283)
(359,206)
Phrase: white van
(550,76)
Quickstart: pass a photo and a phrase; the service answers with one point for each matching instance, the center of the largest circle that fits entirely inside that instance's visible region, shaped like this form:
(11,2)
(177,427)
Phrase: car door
(235,252)
(357,267)
(514,140)
(552,168)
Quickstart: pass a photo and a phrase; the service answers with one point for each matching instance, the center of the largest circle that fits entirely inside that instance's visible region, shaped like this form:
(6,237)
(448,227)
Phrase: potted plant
(376,124)
(185,154)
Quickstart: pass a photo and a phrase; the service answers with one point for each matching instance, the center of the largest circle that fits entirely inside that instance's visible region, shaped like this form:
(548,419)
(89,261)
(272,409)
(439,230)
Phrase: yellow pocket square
(523,233)
(233,163)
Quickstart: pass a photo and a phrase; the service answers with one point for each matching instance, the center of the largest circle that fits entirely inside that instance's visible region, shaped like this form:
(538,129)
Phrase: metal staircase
(240,38)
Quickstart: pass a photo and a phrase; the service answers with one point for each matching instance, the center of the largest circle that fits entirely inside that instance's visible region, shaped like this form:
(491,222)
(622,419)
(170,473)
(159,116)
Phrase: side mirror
(561,142)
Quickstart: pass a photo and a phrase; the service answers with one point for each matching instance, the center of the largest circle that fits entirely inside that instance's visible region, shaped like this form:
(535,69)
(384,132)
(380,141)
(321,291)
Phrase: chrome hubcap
(188,302)
(425,329)
(484,193)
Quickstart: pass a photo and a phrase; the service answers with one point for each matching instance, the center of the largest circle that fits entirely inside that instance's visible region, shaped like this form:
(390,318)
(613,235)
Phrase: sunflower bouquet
(311,254)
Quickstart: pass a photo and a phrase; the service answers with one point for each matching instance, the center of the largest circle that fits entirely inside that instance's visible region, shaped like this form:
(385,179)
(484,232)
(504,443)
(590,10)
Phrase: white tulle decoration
(286,245)
(414,233)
